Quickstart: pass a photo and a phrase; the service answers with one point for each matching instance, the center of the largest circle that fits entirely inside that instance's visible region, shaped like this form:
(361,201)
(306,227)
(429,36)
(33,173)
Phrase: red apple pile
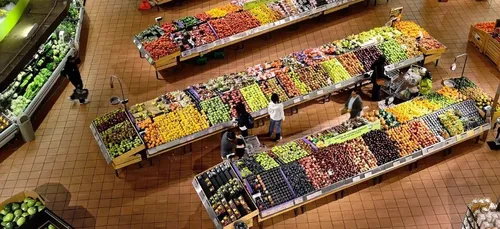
(232,98)
(202,34)
(288,84)
(271,86)
(361,156)
(382,147)
(351,64)
(241,21)
(314,76)
(202,17)
(317,176)
(221,27)
(367,56)
(421,132)
(161,47)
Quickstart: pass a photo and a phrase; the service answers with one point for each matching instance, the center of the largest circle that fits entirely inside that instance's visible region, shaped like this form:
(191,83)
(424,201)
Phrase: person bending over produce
(71,71)
(354,105)
(426,83)
(277,115)
(228,144)
(377,75)
(245,120)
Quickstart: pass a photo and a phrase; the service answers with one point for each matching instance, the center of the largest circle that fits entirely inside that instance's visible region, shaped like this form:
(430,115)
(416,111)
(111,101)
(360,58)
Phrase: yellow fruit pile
(410,45)
(404,140)
(264,14)
(452,93)
(424,104)
(152,135)
(405,112)
(410,28)
(180,123)
(216,13)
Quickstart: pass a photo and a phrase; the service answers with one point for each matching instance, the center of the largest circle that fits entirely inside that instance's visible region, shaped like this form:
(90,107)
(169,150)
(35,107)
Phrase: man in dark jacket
(378,68)
(72,72)
(354,105)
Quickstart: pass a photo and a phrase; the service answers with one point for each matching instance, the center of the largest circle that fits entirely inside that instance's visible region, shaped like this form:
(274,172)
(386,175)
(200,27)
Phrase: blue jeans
(277,124)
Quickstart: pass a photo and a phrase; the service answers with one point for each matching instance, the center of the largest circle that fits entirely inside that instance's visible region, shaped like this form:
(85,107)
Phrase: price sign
(470,133)
(337,86)
(451,140)
(298,200)
(368,174)
(458,137)
(320,92)
(408,158)
(356,179)
(314,195)
(296,100)
(396,163)
(425,151)
(306,97)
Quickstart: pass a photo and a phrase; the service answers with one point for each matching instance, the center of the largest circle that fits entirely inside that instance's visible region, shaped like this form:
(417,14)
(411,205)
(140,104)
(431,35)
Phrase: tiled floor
(64,163)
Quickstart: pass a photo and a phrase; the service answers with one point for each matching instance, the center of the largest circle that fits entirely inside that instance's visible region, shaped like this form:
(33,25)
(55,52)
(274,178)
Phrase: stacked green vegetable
(393,51)
(335,70)
(14,215)
(289,152)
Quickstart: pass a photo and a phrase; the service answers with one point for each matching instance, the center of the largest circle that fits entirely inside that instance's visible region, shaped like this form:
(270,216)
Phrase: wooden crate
(478,38)
(128,155)
(492,50)
(169,60)
(130,161)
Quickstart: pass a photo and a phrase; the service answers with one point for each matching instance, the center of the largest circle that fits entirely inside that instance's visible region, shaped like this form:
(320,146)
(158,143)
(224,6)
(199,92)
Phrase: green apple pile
(125,145)
(14,215)
(301,86)
(255,98)
(335,70)
(289,152)
(217,112)
(393,51)
(266,161)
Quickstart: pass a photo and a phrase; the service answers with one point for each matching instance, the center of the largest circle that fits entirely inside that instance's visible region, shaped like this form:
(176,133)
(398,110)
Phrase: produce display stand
(480,35)
(130,157)
(214,130)
(374,173)
(79,27)
(8,133)
(478,38)
(432,55)
(492,50)
(177,57)
(247,219)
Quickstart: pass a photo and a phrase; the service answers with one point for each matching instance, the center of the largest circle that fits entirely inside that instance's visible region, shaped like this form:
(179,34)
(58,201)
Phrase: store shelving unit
(177,57)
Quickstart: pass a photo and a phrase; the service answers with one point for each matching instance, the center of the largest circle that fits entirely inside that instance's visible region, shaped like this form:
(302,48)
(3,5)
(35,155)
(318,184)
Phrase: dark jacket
(378,71)
(357,107)
(243,120)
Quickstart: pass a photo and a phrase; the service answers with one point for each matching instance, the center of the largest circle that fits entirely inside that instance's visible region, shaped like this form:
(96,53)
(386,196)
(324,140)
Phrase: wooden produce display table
(478,38)
(492,50)
(432,55)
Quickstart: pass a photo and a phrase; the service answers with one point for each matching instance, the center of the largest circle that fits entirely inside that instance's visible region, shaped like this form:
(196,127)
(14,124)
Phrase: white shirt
(351,101)
(276,111)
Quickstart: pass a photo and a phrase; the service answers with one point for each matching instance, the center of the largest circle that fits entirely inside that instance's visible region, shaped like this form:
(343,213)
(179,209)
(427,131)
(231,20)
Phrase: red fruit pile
(202,34)
(314,77)
(232,98)
(161,47)
(422,133)
(168,28)
(221,27)
(367,56)
(202,17)
(429,43)
(360,154)
(271,86)
(486,26)
(288,84)
(351,64)
(241,21)
(317,176)
(336,162)
(382,147)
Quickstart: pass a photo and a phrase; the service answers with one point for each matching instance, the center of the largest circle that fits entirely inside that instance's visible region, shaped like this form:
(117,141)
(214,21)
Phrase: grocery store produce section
(481,36)
(294,173)
(165,45)
(27,210)
(180,117)
(32,84)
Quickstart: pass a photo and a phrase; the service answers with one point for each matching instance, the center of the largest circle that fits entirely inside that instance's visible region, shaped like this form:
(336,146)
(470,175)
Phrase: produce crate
(432,51)
(478,38)
(167,61)
(128,156)
(492,50)
(20,198)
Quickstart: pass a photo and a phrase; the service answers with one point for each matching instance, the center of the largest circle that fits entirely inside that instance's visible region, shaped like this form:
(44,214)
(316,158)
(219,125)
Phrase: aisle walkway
(64,164)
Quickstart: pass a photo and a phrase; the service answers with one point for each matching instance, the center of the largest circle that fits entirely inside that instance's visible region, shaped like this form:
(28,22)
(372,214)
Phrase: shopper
(354,105)
(426,84)
(227,144)
(277,115)
(73,74)
(378,73)
(245,120)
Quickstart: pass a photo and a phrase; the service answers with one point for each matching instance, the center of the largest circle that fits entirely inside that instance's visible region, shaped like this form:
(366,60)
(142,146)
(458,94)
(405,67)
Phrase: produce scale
(26,93)
(295,173)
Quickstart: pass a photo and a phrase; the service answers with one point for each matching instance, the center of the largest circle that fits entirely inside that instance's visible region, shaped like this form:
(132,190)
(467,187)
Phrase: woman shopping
(277,115)
(378,68)
(426,84)
(245,120)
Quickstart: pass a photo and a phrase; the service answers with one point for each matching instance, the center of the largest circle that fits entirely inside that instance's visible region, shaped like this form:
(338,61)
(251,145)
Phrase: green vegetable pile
(15,214)
(393,51)
(266,161)
(289,152)
(217,112)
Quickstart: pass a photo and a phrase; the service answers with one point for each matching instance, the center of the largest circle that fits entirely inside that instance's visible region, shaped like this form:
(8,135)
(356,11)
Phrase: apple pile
(393,51)
(108,120)
(271,86)
(248,166)
(335,70)
(360,154)
(404,140)
(317,176)
(421,133)
(429,43)
(314,76)
(288,84)
(301,86)
(367,56)
(254,97)
(161,47)
(202,17)
(289,152)
(304,145)
(241,21)
(297,178)
(266,161)
(216,111)
(232,98)
(351,64)
(336,162)
(379,143)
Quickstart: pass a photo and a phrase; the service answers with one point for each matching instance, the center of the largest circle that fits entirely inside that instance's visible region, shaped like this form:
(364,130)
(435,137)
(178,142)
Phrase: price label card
(396,163)
(368,174)
(298,200)
(408,158)
(211,130)
(337,86)
(458,137)
(425,151)
(470,133)
(314,195)
(296,100)
(306,97)
(356,179)
(262,112)
(139,46)
(451,140)
(320,92)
